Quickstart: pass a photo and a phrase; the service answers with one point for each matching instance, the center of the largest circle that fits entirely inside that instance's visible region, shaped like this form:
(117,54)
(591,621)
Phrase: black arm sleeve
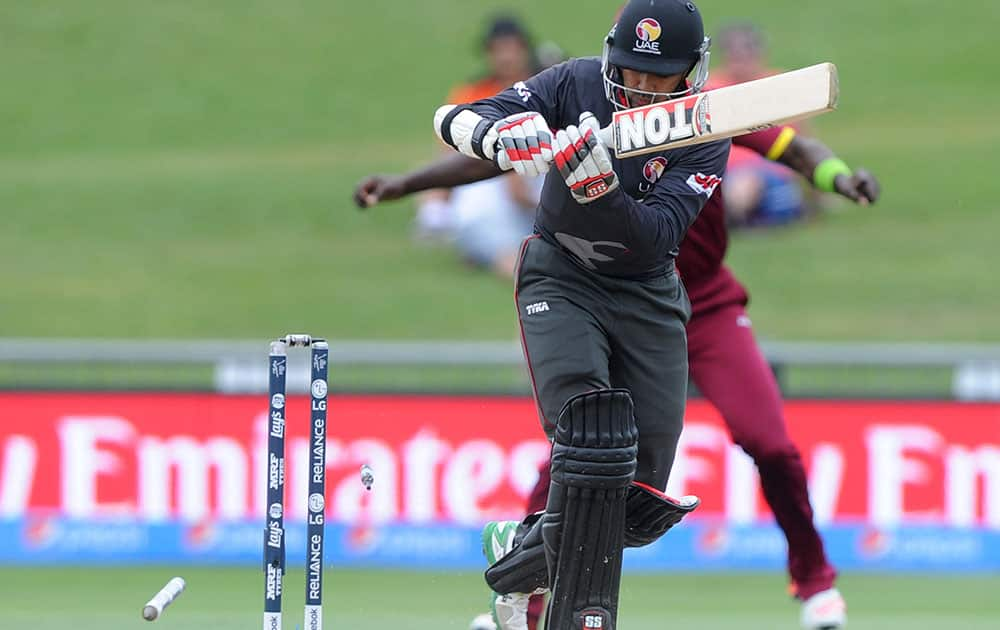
(672,206)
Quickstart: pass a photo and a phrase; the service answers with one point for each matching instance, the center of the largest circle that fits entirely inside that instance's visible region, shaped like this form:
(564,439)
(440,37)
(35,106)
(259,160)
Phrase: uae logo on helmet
(648,30)
(647,33)
(653,169)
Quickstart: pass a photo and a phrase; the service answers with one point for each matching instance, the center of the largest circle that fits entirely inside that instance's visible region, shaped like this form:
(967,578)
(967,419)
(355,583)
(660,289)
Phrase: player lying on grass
(725,361)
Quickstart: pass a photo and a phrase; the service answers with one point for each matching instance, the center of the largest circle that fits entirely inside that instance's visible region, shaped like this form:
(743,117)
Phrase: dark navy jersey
(635,230)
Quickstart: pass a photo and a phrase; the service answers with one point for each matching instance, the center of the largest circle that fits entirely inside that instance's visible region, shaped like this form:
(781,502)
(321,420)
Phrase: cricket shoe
(825,610)
(510,611)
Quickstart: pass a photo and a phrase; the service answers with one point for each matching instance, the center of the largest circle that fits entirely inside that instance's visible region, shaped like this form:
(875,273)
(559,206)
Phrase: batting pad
(651,513)
(523,570)
(583,528)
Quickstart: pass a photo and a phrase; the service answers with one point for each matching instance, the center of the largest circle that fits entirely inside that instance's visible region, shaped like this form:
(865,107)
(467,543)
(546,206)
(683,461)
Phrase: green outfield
(231,599)
(184,169)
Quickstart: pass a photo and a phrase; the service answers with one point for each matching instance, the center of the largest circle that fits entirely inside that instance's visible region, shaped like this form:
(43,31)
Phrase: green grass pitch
(231,599)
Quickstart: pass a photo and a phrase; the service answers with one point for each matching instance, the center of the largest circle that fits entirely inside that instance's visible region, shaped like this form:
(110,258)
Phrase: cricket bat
(723,113)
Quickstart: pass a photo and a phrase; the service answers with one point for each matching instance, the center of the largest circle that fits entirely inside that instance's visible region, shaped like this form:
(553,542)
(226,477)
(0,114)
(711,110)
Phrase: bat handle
(607,137)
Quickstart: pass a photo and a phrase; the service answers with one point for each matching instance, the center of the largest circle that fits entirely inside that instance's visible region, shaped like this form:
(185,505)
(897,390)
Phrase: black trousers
(583,331)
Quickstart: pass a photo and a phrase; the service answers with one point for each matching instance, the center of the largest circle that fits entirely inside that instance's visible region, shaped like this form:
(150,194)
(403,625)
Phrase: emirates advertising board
(138,478)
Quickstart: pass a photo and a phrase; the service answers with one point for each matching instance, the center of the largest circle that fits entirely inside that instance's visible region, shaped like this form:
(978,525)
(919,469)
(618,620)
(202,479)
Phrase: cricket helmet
(661,37)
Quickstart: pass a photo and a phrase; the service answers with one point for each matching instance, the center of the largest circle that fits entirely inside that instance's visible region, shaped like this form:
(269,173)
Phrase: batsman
(601,308)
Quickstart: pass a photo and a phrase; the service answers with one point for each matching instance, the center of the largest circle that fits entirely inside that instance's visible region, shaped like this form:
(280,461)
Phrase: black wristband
(478,134)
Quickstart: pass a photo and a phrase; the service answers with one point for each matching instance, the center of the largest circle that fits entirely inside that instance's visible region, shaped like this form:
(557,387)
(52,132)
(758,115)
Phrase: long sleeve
(769,143)
(669,209)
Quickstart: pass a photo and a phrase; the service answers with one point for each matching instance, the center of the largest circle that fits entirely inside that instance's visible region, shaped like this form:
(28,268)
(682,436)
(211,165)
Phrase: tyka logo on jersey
(537,307)
(586,251)
(647,33)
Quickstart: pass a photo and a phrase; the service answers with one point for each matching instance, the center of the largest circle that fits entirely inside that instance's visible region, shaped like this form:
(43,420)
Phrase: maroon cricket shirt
(709,283)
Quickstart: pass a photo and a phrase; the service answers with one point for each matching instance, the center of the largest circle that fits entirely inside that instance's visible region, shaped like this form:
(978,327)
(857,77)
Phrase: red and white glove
(524,143)
(583,161)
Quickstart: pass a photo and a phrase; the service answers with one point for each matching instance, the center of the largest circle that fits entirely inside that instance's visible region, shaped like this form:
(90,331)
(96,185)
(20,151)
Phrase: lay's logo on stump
(647,33)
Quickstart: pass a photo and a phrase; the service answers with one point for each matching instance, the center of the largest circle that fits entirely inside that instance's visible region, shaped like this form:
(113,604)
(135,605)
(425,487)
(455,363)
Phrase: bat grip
(607,137)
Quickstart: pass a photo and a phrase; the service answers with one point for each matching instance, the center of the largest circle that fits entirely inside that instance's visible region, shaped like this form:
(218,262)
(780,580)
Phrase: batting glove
(524,143)
(584,162)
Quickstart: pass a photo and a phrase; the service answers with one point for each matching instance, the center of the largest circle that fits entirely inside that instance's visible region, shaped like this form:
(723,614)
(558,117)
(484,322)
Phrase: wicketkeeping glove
(524,143)
(583,161)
